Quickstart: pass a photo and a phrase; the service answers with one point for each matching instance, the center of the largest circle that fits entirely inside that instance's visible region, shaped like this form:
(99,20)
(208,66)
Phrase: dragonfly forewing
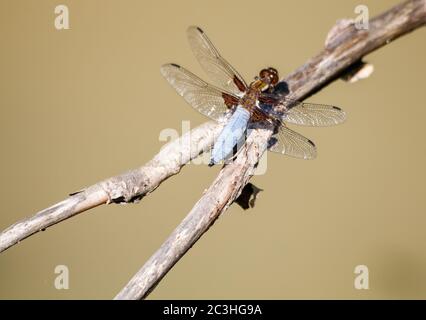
(216,67)
(207,99)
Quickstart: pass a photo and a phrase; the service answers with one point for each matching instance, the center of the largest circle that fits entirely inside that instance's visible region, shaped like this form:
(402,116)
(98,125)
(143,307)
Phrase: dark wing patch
(240,85)
(258,115)
(230,100)
(269,99)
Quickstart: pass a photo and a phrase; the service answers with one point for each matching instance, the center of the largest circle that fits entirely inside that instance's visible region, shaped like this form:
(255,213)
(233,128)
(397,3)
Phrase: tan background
(87,103)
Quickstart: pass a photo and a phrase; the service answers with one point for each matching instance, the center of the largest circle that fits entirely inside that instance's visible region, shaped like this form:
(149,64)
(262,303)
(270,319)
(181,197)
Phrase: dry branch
(128,187)
(345,46)
(216,199)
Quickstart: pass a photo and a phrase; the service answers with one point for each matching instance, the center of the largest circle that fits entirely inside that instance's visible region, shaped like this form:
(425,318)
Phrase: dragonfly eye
(273,75)
(274,78)
(273,70)
(263,73)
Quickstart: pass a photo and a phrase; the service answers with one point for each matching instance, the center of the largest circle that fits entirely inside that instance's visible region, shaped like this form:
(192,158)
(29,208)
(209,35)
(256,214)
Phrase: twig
(345,46)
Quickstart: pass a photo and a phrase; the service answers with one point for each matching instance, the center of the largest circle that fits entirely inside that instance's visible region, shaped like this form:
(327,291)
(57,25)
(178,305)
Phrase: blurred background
(80,105)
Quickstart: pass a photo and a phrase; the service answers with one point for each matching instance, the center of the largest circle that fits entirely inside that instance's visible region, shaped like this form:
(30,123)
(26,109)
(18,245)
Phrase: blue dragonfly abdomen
(231,135)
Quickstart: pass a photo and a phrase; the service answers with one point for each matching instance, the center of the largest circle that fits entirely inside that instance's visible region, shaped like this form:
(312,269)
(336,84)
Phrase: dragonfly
(230,99)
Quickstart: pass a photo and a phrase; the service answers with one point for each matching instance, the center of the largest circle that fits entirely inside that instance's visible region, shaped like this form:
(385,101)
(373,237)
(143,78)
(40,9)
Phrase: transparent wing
(302,113)
(317,115)
(217,68)
(209,100)
(291,143)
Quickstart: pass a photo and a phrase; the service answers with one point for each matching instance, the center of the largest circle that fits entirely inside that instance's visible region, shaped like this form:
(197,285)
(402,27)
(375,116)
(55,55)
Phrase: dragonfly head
(267,79)
(269,76)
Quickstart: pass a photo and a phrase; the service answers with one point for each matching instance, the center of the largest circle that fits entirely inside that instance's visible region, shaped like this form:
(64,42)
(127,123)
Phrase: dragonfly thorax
(249,100)
(267,79)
